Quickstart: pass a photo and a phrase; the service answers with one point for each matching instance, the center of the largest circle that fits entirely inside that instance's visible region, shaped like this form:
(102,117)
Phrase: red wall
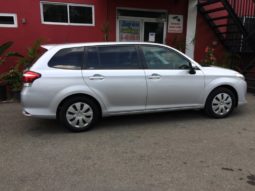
(105,10)
(206,37)
(26,34)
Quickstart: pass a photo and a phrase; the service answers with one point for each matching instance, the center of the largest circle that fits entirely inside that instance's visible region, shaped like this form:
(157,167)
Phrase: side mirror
(192,70)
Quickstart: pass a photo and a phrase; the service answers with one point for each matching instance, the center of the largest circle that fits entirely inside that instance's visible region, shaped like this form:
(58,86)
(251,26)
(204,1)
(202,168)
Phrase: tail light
(30,76)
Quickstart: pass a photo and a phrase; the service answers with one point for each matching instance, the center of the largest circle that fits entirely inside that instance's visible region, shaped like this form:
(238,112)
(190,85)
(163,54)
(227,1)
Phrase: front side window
(68,58)
(164,58)
(68,14)
(8,20)
(112,57)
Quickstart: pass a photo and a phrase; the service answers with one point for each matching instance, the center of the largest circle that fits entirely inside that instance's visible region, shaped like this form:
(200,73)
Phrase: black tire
(82,120)
(225,105)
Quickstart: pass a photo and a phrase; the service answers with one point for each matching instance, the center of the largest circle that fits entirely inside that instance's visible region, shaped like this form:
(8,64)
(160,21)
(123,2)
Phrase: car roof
(69,45)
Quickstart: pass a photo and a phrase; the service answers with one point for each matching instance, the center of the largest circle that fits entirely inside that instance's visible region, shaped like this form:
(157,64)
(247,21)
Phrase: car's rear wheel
(220,103)
(79,114)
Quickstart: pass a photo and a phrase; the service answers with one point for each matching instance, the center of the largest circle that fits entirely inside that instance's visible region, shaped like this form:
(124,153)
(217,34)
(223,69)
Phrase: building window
(8,20)
(67,14)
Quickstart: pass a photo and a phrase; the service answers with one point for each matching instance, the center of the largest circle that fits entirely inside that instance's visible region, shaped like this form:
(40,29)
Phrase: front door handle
(96,77)
(154,76)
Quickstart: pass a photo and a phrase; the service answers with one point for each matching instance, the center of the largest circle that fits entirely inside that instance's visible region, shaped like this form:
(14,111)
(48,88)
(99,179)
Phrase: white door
(115,75)
(137,29)
(170,84)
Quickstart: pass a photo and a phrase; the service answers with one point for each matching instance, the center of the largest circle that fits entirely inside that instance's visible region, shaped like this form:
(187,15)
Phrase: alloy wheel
(79,115)
(222,104)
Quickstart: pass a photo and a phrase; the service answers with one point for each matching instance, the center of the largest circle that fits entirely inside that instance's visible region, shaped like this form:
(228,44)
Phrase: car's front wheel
(79,114)
(220,103)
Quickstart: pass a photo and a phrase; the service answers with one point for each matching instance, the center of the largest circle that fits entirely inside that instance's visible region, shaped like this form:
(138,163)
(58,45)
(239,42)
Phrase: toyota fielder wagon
(80,83)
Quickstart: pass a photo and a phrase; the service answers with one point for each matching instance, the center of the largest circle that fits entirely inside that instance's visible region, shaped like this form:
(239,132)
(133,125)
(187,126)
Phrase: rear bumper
(33,107)
(36,113)
(24,112)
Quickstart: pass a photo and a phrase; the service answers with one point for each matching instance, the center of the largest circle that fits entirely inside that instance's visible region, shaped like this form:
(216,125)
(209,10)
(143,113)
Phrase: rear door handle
(154,76)
(96,77)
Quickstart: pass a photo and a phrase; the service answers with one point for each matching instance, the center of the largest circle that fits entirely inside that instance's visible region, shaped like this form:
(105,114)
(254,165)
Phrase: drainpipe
(191,28)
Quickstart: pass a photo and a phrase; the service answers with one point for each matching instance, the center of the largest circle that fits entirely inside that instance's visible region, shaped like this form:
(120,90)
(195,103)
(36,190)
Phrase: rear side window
(68,58)
(112,57)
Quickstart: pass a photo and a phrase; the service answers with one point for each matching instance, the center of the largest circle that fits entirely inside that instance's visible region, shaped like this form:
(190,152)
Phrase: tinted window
(92,58)
(80,14)
(113,57)
(67,13)
(118,57)
(69,58)
(163,58)
(7,20)
(55,13)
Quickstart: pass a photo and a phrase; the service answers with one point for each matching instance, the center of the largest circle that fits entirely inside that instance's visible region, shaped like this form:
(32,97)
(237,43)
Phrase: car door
(114,73)
(170,83)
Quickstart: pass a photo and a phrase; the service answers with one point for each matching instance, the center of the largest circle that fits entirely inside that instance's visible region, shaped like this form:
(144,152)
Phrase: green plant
(3,49)
(209,58)
(32,54)
(4,56)
(13,78)
(106,30)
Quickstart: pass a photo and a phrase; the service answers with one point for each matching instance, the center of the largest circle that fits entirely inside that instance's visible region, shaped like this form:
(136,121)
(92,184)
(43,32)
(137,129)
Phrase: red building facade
(171,22)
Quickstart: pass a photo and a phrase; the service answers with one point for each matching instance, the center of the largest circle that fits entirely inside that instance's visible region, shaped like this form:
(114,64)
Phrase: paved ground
(176,151)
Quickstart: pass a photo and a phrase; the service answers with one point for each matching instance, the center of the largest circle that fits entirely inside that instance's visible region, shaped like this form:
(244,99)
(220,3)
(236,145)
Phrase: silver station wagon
(80,83)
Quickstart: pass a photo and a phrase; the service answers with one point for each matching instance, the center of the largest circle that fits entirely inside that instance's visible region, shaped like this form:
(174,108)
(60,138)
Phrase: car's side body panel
(216,77)
(44,96)
(125,91)
(174,89)
(119,90)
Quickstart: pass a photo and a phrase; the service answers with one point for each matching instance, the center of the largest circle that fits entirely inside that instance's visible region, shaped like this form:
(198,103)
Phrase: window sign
(129,30)
(175,24)
(152,37)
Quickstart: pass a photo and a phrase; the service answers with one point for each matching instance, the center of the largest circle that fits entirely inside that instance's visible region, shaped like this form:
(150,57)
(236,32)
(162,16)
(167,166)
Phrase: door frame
(142,20)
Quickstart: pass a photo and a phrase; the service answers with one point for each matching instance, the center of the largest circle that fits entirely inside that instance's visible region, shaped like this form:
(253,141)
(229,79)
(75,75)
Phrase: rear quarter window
(68,58)
(112,57)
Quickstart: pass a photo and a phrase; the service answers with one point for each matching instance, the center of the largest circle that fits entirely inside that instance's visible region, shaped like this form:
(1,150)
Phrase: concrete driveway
(175,151)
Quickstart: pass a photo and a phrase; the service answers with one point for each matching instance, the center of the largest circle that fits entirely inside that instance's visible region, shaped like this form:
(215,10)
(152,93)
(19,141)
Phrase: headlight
(238,75)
